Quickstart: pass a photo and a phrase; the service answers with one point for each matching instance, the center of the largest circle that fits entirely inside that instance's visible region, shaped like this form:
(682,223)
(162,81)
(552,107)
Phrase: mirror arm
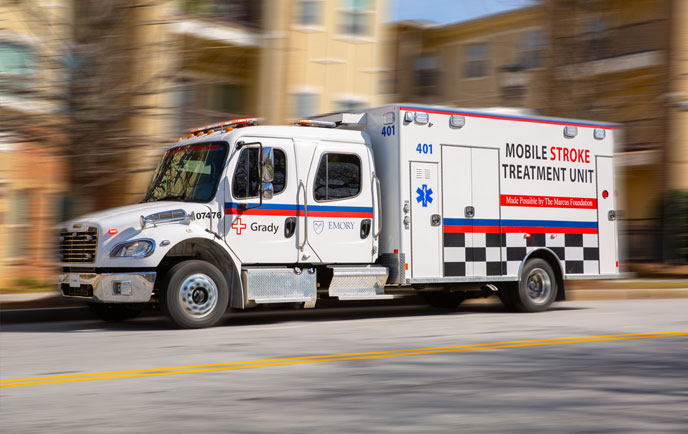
(239,145)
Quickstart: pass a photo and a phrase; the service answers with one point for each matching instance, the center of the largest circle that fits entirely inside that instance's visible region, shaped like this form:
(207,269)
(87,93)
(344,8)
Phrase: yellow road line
(214,367)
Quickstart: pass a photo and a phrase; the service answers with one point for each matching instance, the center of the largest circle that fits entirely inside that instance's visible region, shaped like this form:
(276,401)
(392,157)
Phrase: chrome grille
(78,245)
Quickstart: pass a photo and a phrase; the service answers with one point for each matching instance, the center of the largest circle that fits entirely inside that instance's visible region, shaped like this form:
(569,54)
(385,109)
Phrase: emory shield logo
(318,226)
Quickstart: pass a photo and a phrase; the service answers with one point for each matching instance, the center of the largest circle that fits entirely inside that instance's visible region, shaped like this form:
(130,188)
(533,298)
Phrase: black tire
(194,294)
(113,312)
(444,299)
(537,288)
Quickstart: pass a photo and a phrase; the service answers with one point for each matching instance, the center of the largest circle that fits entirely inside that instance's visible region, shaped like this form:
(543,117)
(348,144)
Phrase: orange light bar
(232,122)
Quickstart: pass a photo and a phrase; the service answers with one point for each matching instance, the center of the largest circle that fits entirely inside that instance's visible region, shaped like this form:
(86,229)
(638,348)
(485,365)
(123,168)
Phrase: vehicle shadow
(80,318)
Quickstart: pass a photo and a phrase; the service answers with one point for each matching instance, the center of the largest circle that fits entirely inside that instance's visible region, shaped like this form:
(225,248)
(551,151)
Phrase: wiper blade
(172,197)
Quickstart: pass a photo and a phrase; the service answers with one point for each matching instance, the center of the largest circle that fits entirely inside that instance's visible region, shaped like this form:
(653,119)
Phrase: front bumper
(108,288)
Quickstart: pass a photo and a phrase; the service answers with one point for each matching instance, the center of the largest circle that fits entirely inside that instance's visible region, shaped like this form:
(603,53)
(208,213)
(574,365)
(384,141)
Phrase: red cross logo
(238,226)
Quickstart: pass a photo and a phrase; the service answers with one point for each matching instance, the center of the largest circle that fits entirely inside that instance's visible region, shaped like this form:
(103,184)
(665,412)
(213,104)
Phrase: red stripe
(471,229)
(486,116)
(273,212)
(548,201)
(543,230)
(516,230)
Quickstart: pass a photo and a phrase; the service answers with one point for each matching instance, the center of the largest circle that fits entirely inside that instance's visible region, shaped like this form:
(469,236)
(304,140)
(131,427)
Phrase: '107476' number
(424,148)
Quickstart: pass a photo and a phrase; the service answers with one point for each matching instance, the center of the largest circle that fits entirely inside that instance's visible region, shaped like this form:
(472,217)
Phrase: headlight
(133,249)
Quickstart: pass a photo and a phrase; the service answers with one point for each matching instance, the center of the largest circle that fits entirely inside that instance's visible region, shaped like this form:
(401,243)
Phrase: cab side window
(246,182)
(338,177)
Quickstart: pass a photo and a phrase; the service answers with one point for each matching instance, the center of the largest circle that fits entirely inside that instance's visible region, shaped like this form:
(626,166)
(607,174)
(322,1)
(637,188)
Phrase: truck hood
(129,216)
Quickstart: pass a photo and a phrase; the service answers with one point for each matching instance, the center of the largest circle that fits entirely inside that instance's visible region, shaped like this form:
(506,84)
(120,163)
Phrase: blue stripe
(471,222)
(292,207)
(512,117)
(519,223)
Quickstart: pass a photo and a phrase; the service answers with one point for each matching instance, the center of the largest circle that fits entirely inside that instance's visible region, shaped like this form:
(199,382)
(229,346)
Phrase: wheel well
(551,258)
(209,251)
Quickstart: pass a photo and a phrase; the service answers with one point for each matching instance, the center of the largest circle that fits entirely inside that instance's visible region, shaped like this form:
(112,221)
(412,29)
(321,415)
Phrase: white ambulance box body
(469,195)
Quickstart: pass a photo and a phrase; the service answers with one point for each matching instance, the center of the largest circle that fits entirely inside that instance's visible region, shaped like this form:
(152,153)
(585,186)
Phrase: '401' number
(424,148)
(388,130)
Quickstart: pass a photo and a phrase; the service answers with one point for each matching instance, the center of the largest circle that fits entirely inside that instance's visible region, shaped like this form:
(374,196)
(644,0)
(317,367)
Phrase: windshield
(188,173)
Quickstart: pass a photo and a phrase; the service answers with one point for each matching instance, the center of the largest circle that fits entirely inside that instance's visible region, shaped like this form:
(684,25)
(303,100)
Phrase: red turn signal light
(605,194)
(112,232)
(527,236)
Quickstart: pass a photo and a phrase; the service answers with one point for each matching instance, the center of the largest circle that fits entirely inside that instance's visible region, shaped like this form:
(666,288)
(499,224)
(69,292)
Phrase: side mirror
(267,165)
(267,190)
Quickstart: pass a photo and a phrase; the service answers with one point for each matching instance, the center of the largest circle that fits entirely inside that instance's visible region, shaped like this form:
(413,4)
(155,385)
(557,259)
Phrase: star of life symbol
(424,195)
(238,226)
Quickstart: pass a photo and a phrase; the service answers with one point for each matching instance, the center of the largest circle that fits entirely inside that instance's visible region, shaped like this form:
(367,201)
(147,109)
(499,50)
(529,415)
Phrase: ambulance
(373,204)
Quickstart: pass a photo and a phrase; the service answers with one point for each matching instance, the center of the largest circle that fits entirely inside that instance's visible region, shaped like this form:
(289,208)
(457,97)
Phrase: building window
(246,182)
(304,104)
(20,242)
(16,59)
(338,177)
(355,17)
(426,75)
(596,37)
(309,12)
(476,60)
(531,50)
(349,105)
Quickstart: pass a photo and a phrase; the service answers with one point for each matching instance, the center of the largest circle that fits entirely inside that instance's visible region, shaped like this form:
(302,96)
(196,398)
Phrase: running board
(359,283)
(279,285)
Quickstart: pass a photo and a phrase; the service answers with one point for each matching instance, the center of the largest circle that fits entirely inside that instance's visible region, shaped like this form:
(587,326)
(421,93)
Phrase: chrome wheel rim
(198,295)
(539,286)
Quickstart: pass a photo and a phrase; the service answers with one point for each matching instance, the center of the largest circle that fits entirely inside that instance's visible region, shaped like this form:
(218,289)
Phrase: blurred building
(279,59)
(492,61)
(612,60)
(33,178)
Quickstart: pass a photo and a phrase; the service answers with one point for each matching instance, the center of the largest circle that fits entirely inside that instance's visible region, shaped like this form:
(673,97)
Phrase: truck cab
(229,212)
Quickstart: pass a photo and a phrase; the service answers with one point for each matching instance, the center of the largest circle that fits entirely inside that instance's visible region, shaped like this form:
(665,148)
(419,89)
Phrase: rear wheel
(537,288)
(195,294)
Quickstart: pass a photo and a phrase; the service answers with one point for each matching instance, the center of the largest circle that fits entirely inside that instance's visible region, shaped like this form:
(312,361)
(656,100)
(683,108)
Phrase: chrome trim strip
(172,216)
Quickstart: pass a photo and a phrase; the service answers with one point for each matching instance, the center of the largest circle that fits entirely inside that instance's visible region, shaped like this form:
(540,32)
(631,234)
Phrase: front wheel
(195,294)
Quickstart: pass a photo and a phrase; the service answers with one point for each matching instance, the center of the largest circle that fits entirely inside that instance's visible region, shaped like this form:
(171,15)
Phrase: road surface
(603,366)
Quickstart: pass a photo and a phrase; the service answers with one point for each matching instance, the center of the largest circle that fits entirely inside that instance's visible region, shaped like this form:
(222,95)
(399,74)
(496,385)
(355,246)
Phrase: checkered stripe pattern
(578,253)
(494,254)
(480,250)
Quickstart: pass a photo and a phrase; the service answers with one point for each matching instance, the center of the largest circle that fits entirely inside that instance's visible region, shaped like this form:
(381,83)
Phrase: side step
(359,283)
(279,285)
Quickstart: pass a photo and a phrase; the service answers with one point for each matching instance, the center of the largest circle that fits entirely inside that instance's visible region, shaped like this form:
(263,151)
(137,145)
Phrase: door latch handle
(289,227)
(469,211)
(435,220)
(612,215)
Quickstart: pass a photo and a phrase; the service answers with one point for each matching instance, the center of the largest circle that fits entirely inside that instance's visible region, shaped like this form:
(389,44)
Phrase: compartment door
(486,252)
(470,186)
(606,216)
(426,221)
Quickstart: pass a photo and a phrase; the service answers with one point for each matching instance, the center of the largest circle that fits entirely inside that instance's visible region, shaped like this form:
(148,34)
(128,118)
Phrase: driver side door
(262,232)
